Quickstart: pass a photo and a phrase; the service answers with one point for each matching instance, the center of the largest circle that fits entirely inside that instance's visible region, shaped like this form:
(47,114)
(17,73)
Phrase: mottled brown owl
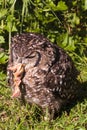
(41,72)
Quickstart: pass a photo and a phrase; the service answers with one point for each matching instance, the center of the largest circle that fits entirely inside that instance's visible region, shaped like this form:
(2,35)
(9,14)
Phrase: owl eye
(35,56)
(31,55)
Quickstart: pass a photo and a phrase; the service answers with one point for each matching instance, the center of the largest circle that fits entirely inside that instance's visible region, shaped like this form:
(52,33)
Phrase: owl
(41,73)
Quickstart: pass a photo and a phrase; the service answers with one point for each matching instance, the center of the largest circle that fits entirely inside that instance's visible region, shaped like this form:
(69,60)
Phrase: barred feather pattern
(49,78)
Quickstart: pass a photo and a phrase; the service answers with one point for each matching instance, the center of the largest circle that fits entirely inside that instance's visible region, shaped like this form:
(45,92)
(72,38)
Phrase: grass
(16,116)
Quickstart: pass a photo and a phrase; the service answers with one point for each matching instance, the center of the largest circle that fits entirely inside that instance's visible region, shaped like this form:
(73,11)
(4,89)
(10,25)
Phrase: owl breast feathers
(41,72)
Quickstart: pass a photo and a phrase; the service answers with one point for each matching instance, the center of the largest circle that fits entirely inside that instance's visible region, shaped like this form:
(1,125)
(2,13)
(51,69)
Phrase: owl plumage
(48,75)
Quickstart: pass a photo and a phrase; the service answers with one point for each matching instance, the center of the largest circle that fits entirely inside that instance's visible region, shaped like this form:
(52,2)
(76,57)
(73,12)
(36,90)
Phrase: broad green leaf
(74,3)
(10,24)
(71,45)
(64,43)
(50,20)
(3,58)
(2,40)
(14,29)
(10,18)
(52,5)
(3,12)
(2,76)
(62,6)
(76,19)
(68,43)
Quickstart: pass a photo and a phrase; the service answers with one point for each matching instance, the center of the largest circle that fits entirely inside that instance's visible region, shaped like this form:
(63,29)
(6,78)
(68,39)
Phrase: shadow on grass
(82,95)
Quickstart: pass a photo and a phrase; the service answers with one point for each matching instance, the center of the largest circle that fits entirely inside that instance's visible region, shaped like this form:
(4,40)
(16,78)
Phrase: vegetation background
(64,22)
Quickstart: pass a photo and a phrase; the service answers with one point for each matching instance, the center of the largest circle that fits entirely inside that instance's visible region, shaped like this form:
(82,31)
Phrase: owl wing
(61,78)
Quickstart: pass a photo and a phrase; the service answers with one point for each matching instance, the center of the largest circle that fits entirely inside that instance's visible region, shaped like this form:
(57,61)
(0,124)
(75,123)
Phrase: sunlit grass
(14,115)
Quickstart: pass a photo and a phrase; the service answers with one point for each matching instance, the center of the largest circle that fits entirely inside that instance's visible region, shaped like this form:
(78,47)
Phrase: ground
(14,115)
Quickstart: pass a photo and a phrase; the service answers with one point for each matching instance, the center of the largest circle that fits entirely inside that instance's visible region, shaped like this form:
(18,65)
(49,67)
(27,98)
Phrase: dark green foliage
(63,22)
